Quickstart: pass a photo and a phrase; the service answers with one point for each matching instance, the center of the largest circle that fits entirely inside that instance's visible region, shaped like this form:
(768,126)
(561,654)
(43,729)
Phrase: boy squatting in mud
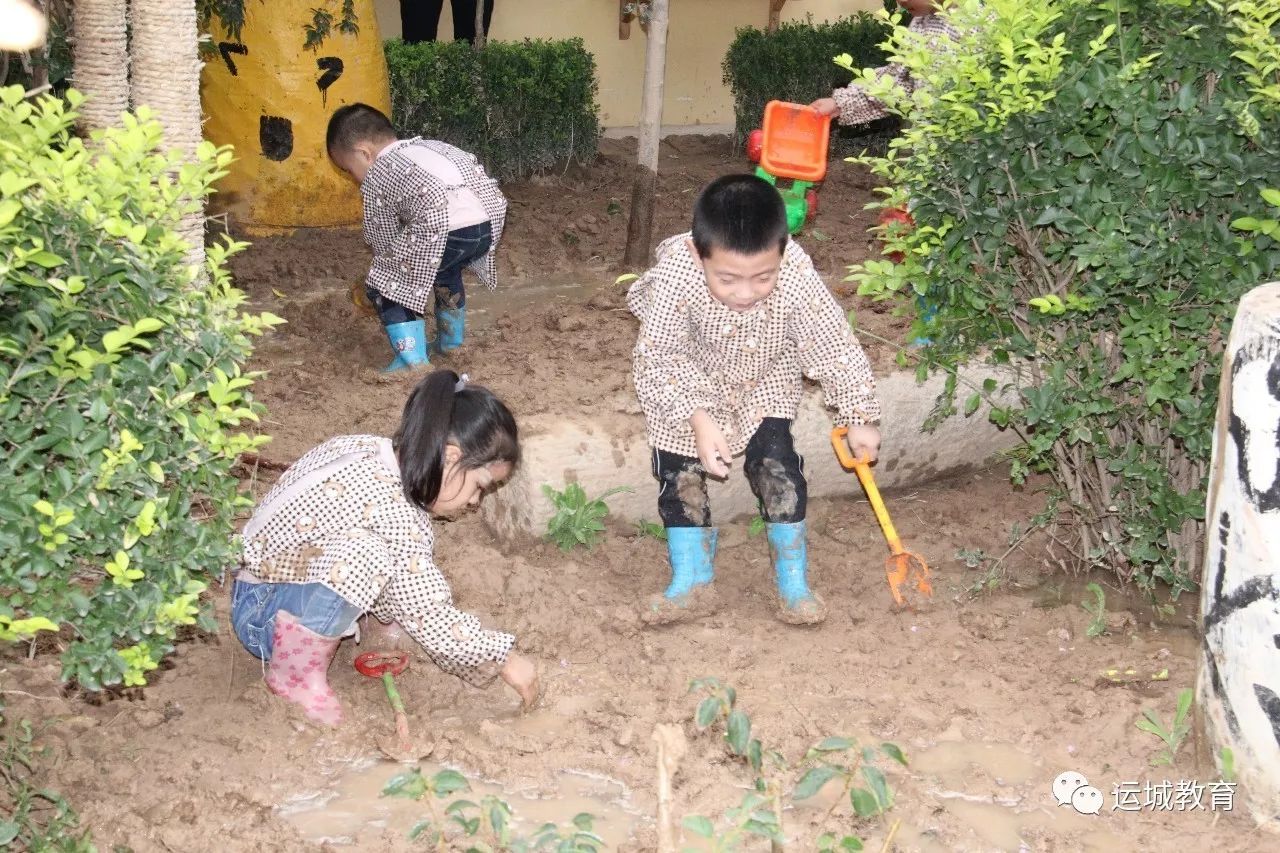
(731,317)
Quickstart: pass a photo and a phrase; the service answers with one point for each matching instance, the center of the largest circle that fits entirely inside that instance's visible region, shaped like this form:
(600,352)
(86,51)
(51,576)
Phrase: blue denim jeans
(464,246)
(254,607)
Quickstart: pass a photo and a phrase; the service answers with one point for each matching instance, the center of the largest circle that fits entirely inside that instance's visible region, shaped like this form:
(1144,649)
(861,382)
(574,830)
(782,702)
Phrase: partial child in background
(852,105)
(347,529)
(429,211)
(732,316)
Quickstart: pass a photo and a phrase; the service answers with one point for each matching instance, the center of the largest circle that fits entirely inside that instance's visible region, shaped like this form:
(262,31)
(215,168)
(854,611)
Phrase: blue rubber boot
(409,343)
(451,324)
(800,606)
(692,551)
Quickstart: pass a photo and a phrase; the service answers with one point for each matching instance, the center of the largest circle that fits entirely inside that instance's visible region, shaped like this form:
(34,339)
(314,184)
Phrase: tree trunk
(166,78)
(481,35)
(101,70)
(644,189)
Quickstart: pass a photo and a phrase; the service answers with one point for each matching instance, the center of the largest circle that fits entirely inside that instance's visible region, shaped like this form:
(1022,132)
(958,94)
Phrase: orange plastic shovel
(902,566)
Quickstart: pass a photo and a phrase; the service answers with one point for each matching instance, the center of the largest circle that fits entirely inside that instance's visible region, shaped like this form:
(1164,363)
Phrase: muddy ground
(991,695)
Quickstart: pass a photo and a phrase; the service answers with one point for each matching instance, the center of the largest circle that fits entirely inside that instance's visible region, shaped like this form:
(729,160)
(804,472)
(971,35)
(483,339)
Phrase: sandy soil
(991,696)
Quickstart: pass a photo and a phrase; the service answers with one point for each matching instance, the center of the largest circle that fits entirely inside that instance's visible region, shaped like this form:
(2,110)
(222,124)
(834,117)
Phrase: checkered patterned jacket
(406,222)
(857,107)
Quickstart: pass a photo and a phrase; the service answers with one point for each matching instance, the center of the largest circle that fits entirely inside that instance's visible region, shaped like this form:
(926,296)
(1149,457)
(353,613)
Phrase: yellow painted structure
(700,34)
(271,98)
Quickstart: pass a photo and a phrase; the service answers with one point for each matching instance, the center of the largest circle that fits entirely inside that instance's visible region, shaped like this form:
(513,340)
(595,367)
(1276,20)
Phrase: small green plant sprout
(719,704)
(752,817)
(1227,761)
(841,759)
(34,817)
(756,526)
(1175,734)
(651,529)
(486,826)
(1097,610)
(577,520)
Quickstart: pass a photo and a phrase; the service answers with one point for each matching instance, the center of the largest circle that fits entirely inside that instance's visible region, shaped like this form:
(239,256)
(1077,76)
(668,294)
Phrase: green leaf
(8,831)
(864,803)
(851,842)
(879,786)
(738,732)
(147,325)
(708,710)
(415,832)
(447,782)
(48,260)
(812,781)
(755,756)
(1245,223)
(971,405)
(699,826)
(411,785)
(834,744)
(892,750)
(1271,197)
(584,821)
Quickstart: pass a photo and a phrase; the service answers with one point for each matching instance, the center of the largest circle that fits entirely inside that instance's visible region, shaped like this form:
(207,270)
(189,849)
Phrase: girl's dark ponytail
(424,431)
(438,414)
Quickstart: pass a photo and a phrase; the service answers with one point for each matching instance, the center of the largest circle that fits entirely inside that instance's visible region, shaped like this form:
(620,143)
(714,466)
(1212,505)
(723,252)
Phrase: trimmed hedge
(795,64)
(520,107)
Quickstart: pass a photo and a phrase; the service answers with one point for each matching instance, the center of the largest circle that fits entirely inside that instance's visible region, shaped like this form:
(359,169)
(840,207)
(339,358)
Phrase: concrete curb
(603,453)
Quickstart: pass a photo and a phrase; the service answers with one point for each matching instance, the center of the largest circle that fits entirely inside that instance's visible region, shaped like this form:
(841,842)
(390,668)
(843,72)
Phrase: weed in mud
(577,520)
(486,826)
(651,529)
(1176,733)
(756,526)
(33,818)
(832,760)
(1097,610)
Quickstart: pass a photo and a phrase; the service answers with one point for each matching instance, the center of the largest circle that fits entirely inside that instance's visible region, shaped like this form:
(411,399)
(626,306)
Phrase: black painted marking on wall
(1252,591)
(1220,568)
(1264,496)
(226,48)
(1276,640)
(1215,683)
(1270,704)
(332,68)
(275,136)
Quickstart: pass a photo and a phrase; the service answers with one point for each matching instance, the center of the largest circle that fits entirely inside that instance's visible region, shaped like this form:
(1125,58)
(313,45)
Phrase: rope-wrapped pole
(101,62)
(166,78)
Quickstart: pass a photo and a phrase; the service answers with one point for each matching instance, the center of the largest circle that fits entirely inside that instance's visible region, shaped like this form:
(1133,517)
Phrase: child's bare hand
(864,442)
(522,675)
(826,106)
(713,450)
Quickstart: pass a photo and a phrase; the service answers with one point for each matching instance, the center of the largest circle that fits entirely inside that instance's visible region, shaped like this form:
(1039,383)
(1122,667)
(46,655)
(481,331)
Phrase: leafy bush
(794,64)
(520,107)
(119,384)
(1073,169)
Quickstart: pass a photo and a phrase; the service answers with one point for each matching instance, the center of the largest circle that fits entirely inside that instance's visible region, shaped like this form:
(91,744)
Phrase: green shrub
(794,64)
(520,107)
(1074,169)
(120,378)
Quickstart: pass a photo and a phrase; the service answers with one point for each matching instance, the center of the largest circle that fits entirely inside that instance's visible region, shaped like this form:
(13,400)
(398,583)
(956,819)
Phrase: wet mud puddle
(352,809)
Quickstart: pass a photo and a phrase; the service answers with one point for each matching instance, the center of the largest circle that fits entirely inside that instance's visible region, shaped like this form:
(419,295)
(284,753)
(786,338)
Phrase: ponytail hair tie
(461,383)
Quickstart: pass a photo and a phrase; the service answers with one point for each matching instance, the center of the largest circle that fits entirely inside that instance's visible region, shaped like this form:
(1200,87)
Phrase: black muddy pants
(773,468)
(420,19)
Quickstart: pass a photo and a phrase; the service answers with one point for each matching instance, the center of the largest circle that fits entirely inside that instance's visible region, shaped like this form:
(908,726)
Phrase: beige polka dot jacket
(406,222)
(857,107)
(694,353)
(339,517)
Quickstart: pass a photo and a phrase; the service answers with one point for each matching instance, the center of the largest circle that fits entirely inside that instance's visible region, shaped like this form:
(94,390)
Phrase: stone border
(603,454)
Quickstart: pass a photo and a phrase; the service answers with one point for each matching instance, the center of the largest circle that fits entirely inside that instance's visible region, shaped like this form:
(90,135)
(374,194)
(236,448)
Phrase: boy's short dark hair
(356,123)
(741,213)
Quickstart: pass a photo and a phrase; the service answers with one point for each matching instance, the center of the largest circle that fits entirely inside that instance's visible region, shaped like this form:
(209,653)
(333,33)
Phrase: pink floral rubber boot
(298,669)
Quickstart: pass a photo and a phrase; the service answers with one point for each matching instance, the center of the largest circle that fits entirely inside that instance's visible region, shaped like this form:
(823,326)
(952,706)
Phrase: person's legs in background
(464,19)
(420,20)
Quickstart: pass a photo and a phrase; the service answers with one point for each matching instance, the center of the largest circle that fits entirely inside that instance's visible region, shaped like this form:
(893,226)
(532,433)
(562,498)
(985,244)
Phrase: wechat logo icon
(1072,789)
